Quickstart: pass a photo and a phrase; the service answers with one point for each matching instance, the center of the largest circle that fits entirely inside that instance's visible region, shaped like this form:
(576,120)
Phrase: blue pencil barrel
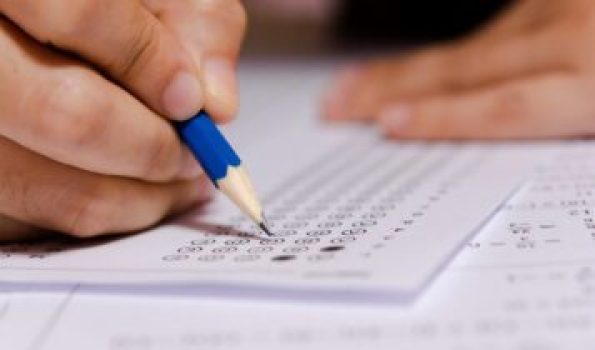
(208,145)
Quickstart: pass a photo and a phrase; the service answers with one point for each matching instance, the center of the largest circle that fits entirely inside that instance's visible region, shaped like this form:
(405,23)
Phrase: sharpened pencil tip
(264,225)
(266,229)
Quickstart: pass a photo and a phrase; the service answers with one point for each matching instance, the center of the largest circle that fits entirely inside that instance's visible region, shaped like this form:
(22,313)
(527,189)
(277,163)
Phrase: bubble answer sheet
(355,216)
(525,282)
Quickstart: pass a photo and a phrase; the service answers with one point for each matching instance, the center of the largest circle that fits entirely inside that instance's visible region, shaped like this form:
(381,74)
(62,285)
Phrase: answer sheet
(526,282)
(353,214)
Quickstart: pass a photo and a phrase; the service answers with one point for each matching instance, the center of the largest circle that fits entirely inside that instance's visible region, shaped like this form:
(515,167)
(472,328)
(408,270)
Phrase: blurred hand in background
(529,73)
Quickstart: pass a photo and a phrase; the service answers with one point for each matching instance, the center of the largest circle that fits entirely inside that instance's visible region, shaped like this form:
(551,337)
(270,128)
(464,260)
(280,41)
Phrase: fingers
(43,193)
(69,113)
(548,106)
(12,230)
(124,39)
(212,31)
(361,91)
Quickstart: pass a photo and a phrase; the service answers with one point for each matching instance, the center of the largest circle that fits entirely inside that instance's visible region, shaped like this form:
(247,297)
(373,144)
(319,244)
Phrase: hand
(84,89)
(528,74)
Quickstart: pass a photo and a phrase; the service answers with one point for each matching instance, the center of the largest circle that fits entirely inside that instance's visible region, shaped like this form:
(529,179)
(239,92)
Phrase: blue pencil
(222,165)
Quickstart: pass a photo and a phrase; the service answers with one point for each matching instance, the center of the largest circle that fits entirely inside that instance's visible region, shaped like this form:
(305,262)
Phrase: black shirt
(382,21)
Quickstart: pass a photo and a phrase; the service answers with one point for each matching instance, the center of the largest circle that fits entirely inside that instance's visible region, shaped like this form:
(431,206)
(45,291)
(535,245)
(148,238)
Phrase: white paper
(354,214)
(526,282)
(26,316)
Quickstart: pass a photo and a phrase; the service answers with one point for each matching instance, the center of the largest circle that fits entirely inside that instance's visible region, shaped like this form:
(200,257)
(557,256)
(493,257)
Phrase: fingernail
(182,98)
(395,119)
(221,84)
(189,169)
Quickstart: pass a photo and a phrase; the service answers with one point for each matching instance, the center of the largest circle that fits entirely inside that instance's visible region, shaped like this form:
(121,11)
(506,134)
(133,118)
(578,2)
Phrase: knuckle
(507,114)
(159,153)
(443,118)
(509,106)
(72,112)
(139,48)
(81,210)
(432,120)
(21,193)
(90,211)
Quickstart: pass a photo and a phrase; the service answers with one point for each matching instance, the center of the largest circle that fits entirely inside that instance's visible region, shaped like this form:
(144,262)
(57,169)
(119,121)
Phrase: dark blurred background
(314,27)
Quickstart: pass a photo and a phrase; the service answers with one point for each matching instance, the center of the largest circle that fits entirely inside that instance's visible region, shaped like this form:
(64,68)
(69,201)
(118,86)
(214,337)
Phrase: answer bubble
(175,257)
(342,240)
(284,233)
(272,241)
(210,258)
(258,250)
(316,233)
(240,241)
(185,250)
(332,248)
(283,257)
(354,232)
(204,241)
(330,224)
(295,249)
(307,240)
(228,249)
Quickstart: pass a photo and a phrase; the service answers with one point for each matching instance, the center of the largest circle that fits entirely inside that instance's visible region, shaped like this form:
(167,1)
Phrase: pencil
(222,165)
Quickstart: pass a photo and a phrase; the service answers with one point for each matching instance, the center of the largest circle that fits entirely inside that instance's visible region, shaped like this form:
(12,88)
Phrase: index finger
(68,112)
(124,39)
(212,32)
